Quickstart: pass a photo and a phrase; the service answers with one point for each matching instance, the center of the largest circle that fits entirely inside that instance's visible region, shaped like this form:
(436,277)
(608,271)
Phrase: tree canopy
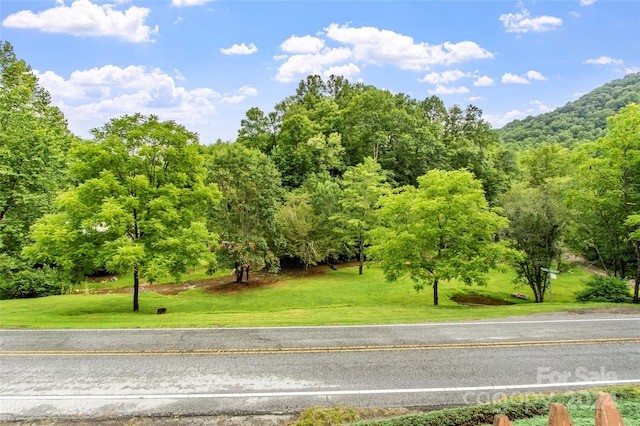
(245,219)
(34,139)
(33,142)
(441,230)
(607,191)
(332,125)
(137,204)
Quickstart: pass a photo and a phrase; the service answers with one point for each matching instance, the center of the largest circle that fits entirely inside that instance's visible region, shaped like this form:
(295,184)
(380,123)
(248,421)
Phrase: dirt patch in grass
(478,300)
(226,284)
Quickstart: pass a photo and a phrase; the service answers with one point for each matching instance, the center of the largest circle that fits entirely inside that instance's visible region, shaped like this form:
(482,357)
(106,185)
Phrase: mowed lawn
(332,298)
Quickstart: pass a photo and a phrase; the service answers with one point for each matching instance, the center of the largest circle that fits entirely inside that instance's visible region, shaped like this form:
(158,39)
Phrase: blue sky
(205,63)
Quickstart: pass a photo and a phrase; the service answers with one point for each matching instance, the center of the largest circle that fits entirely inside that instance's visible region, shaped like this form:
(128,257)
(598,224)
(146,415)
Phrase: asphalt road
(204,372)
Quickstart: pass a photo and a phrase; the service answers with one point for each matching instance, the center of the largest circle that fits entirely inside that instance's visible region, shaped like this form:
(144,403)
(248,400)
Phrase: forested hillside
(582,120)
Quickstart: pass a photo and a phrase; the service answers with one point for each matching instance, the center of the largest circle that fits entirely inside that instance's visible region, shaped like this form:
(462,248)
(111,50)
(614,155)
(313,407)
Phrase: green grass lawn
(337,297)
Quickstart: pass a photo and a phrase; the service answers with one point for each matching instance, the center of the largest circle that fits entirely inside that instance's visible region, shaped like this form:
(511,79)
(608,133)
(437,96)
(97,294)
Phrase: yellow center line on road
(320,349)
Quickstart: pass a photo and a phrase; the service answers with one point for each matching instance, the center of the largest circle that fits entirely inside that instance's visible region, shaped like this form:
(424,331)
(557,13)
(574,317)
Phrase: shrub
(605,289)
(30,282)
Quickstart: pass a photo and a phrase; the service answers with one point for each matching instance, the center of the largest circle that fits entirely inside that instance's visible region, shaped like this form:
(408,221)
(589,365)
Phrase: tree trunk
(435,292)
(361,259)
(540,295)
(636,247)
(361,254)
(247,274)
(136,286)
(239,273)
(538,291)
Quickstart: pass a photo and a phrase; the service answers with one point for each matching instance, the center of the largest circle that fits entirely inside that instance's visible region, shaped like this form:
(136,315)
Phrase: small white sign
(553,276)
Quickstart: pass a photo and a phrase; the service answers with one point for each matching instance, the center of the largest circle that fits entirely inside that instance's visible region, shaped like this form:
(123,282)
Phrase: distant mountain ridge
(582,120)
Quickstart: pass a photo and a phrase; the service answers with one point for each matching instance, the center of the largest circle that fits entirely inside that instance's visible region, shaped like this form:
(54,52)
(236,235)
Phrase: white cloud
(484,81)
(240,49)
(248,91)
(348,71)
(384,47)
(240,95)
(474,98)
(181,3)
(84,18)
(578,94)
(603,60)
(497,121)
(631,70)
(58,86)
(535,75)
(369,45)
(178,75)
(89,98)
(587,2)
(509,78)
(522,22)
(540,107)
(443,90)
(444,77)
(298,66)
(306,44)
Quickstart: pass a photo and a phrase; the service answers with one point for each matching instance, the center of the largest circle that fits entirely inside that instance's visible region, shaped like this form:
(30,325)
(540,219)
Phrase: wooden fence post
(501,420)
(607,413)
(558,416)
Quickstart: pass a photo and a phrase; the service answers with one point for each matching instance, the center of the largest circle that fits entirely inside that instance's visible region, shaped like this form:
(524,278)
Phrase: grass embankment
(523,410)
(331,298)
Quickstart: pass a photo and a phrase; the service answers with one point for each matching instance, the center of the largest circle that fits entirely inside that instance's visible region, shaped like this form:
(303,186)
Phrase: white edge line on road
(285,394)
(429,324)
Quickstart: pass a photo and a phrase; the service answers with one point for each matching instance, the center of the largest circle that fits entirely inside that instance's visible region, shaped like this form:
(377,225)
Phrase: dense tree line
(584,120)
(336,171)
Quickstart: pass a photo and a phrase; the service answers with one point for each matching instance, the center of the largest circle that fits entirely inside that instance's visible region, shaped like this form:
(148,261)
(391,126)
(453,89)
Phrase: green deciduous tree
(537,219)
(34,140)
(138,204)
(293,156)
(257,131)
(307,224)
(442,230)
(537,215)
(598,212)
(608,183)
(471,144)
(622,146)
(619,150)
(245,219)
(362,186)
(300,226)
(544,162)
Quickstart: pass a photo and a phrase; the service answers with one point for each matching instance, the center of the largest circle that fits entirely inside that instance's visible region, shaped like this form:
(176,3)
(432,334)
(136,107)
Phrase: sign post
(552,276)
